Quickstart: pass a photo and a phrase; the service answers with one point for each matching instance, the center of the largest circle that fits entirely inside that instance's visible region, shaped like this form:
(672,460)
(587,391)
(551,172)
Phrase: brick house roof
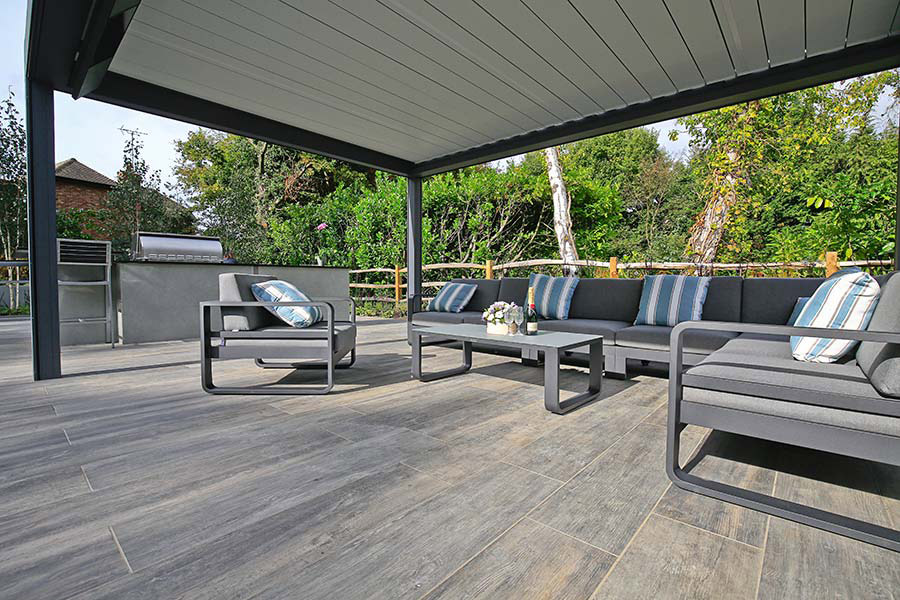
(72,169)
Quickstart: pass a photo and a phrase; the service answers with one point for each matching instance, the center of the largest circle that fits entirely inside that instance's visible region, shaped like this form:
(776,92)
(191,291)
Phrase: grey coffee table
(551,343)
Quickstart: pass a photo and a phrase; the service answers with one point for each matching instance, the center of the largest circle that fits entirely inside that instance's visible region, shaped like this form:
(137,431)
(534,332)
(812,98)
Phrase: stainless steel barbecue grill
(174,247)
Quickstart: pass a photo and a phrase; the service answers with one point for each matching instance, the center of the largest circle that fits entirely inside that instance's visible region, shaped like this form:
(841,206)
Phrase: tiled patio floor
(124,480)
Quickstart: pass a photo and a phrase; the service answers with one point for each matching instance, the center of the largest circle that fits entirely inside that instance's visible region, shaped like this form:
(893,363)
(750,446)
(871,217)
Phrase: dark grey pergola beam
(827,68)
(106,26)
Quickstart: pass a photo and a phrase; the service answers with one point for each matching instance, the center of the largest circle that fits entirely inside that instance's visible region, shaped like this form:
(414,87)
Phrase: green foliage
(76,223)
(136,203)
(13,179)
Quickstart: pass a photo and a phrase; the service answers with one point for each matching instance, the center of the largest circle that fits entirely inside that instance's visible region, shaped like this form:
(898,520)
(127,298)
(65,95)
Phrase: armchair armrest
(351,303)
(205,310)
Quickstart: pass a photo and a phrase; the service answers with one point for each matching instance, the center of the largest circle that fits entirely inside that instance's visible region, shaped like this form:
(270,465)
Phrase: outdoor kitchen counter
(159,301)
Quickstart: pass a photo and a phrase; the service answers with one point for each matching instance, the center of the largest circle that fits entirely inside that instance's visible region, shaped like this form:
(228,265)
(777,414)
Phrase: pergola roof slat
(782,19)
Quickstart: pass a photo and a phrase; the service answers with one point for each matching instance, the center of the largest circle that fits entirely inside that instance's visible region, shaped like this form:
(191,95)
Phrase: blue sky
(89,131)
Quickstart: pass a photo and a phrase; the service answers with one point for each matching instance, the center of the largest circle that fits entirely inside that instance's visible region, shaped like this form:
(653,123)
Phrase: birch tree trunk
(706,233)
(262,213)
(562,220)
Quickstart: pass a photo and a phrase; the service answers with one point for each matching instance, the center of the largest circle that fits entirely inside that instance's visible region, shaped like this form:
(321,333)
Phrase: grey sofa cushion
(466,316)
(656,337)
(881,361)
(822,415)
(608,299)
(723,299)
(485,294)
(602,327)
(235,287)
(771,300)
(763,367)
(514,289)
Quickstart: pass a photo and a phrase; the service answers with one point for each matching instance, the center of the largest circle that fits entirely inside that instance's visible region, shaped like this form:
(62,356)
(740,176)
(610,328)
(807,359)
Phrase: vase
(497,328)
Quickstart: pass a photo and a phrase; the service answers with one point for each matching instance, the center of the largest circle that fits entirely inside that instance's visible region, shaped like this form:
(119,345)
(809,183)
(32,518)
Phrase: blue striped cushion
(845,301)
(453,297)
(283,291)
(671,299)
(552,295)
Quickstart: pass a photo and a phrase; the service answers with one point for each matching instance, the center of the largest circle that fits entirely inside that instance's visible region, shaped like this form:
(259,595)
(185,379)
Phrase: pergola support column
(413,245)
(42,231)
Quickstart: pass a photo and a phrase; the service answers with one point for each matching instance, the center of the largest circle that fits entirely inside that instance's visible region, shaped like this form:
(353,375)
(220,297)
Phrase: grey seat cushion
(764,368)
(607,329)
(881,361)
(486,292)
(607,299)
(821,415)
(235,287)
(466,316)
(656,337)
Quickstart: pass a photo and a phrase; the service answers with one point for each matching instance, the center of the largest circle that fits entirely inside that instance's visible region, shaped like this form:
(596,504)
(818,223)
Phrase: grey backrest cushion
(771,300)
(235,287)
(514,289)
(606,298)
(485,295)
(881,361)
(723,300)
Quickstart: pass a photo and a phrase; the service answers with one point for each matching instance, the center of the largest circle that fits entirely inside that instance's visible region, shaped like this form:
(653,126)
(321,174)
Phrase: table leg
(551,380)
(417,372)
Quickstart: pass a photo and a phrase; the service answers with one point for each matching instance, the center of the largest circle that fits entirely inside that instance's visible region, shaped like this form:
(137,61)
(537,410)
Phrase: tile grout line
(762,560)
(426,473)
(120,549)
(86,480)
(714,533)
(644,522)
(530,471)
(527,514)
(619,556)
(572,537)
(66,433)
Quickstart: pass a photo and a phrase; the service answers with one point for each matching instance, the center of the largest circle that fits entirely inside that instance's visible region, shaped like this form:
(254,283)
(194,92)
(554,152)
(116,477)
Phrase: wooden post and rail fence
(609,268)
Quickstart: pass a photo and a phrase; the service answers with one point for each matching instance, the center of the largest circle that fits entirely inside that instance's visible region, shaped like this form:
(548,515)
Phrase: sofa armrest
(206,309)
(351,303)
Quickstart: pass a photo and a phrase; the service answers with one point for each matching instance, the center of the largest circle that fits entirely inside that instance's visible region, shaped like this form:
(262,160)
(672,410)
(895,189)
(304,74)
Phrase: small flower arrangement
(496,312)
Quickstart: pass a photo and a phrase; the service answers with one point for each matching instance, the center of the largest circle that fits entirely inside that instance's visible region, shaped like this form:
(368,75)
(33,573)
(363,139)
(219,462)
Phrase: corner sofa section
(608,307)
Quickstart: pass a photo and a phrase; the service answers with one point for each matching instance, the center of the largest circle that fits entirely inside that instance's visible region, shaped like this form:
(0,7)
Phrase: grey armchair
(249,330)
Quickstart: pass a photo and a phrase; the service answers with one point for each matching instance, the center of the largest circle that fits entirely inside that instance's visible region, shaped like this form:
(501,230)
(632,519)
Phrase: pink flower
(321,226)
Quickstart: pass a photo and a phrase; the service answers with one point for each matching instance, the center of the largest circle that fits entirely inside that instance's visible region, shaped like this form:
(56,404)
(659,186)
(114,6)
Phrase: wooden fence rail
(612,268)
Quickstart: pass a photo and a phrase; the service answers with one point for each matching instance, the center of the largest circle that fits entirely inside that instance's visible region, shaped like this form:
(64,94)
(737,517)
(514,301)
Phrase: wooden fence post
(397,285)
(831,263)
(488,269)
(613,267)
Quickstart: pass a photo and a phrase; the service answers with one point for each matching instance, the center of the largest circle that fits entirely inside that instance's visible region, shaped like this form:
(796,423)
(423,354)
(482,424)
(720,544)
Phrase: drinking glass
(519,317)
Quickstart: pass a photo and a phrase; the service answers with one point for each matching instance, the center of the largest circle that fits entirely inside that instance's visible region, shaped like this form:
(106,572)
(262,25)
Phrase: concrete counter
(159,301)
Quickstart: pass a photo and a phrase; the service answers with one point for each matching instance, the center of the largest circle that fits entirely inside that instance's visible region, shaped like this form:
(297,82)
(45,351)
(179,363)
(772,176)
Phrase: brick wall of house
(72,194)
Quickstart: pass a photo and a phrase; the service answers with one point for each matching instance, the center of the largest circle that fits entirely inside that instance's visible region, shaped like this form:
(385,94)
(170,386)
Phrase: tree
(136,203)
(13,186)
(562,219)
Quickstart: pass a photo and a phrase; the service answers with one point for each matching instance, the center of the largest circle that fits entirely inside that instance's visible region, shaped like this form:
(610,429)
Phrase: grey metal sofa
(752,386)
(249,330)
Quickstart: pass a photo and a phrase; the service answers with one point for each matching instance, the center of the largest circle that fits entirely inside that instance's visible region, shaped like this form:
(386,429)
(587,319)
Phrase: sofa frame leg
(298,366)
(206,379)
(777,507)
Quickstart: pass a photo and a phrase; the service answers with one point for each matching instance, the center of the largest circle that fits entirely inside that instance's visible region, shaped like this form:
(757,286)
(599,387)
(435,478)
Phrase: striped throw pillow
(453,297)
(283,291)
(552,295)
(671,299)
(843,302)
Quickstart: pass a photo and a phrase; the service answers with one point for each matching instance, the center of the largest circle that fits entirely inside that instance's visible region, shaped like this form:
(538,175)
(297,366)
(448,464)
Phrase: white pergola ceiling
(421,79)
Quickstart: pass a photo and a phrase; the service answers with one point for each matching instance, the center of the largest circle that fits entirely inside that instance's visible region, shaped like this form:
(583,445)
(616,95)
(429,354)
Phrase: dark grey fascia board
(149,98)
(105,28)
(52,37)
(843,64)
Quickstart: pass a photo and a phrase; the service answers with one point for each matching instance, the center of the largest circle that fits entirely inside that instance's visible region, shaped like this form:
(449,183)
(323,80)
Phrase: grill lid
(175,247)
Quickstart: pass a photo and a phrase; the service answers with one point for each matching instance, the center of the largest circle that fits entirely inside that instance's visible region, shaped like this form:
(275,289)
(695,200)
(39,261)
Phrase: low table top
(466,332)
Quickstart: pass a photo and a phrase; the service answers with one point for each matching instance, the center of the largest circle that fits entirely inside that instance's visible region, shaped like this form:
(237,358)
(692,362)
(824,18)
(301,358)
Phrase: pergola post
(42,230)
(413,245)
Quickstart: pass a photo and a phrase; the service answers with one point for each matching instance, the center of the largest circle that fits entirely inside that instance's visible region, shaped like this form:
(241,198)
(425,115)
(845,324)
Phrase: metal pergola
(420,87)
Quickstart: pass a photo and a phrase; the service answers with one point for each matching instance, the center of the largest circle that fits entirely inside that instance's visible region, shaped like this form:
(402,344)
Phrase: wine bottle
(531,317)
